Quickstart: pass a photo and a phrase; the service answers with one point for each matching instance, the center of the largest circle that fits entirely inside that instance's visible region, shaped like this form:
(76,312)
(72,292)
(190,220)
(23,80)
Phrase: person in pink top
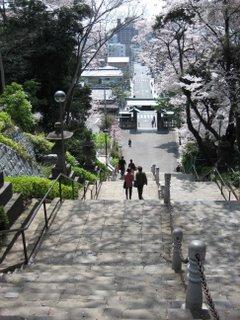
(128,181)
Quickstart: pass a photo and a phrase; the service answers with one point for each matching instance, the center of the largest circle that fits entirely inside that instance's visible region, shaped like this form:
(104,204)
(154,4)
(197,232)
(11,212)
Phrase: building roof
(107,71)
(98,94)
(141,102)
(118,60)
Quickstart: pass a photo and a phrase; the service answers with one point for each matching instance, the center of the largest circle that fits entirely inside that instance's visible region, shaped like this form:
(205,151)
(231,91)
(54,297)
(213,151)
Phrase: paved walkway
(150,148)
(101,260)
(114,190)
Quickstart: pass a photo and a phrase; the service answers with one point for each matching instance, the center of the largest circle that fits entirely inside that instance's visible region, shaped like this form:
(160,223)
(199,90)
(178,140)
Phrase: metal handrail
(29,219)
(223,183)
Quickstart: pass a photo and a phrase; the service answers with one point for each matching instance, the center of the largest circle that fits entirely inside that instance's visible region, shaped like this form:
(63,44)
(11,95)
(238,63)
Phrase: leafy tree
(17,105)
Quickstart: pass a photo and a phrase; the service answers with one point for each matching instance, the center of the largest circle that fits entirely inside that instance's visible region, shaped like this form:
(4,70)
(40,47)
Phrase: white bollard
(177,240)
(194,297)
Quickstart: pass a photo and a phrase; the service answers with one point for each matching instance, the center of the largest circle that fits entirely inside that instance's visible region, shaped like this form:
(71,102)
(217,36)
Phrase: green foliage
(105,172)
(71,159)
(232,177)
(15,102)
(114,162)
(4,221)
(189,153)
(36,187)
(38,43)
(41,145)
(46,170)
(84,174)
(100,140)
(16,147)
(115,150)
(5,121)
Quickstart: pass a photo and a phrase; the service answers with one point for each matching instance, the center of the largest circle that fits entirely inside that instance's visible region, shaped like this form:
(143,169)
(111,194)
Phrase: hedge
(84,174)
(36,187)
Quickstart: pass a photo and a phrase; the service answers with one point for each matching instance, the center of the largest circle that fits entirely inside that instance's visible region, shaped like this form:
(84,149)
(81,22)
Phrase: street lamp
(106,143)
(60,98)
(220,119)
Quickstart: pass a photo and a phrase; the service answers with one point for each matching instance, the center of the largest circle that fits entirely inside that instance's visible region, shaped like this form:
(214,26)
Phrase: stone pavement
(184,189)
(100,260)
(114,190)
(217,224)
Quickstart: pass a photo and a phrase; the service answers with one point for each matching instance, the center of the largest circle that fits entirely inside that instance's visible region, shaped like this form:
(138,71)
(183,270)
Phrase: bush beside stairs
(110,259)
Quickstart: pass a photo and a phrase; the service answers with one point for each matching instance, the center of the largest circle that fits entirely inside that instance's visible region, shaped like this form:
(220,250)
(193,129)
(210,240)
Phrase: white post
(194,297)
(177,240)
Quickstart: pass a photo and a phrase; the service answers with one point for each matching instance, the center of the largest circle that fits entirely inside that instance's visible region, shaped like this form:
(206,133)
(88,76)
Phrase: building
(121,63)
(102,77)
(142,104)
(126,34)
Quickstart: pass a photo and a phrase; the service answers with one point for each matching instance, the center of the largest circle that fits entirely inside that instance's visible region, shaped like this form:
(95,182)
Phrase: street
(150,148)
(141,82)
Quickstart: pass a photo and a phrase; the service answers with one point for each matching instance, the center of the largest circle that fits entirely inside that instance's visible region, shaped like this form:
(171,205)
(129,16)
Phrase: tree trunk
(2,73)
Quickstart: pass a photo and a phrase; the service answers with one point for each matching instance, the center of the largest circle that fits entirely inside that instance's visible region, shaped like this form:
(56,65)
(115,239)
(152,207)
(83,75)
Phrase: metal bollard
(153,169)
(167,178)
(157,178)
(194,297)
(176,260)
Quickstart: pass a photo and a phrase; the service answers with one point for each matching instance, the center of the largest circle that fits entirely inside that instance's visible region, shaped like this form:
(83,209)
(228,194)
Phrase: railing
(196,279)
(93,188)
(219,180)
(30,218)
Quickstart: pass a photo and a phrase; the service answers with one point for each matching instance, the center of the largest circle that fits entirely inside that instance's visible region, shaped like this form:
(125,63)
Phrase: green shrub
(16,103)
(16,147)
(4,221)
(114,162)
(36,187)
(189,153)
(232,177)
(105,172)
(71,159)
(100,140)
(5,121)
(41,145)
(84,174)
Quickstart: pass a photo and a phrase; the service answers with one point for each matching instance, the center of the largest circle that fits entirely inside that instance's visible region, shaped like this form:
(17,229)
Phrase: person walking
(153,121)
(121,166)
(132,166)
(128,181)
(141,180)
(129,143)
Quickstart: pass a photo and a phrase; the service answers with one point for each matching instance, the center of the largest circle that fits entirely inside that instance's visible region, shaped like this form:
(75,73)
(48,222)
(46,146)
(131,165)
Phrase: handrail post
(157,177)
(177,240)
(45,214)
(194,297)
(60,188)
(73,190)
(24,247)
(153,169)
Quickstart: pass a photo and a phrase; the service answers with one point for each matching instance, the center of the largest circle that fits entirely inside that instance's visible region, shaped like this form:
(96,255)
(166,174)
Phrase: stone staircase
(110,258)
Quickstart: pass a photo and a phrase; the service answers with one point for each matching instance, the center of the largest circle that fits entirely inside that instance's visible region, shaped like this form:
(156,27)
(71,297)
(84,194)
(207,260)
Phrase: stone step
(14,207)
(5,193)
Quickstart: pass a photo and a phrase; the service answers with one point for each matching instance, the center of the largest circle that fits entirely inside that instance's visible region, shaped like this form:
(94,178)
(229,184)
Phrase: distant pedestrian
(153,121)
(121,166)
(129,143)
(132,166)
(141,180)
(128,181)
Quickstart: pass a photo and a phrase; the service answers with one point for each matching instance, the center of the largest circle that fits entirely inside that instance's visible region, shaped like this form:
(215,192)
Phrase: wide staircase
(110,258)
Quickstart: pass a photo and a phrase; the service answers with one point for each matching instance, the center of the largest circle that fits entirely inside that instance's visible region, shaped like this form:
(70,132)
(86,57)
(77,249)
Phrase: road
(144,120)
(150,148)
(141,82)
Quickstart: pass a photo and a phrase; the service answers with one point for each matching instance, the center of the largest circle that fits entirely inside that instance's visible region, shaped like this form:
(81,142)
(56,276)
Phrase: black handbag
(135,183)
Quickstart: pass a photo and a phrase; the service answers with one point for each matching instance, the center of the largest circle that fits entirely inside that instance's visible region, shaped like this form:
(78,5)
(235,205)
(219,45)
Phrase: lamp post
(106,143)
(60,97)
